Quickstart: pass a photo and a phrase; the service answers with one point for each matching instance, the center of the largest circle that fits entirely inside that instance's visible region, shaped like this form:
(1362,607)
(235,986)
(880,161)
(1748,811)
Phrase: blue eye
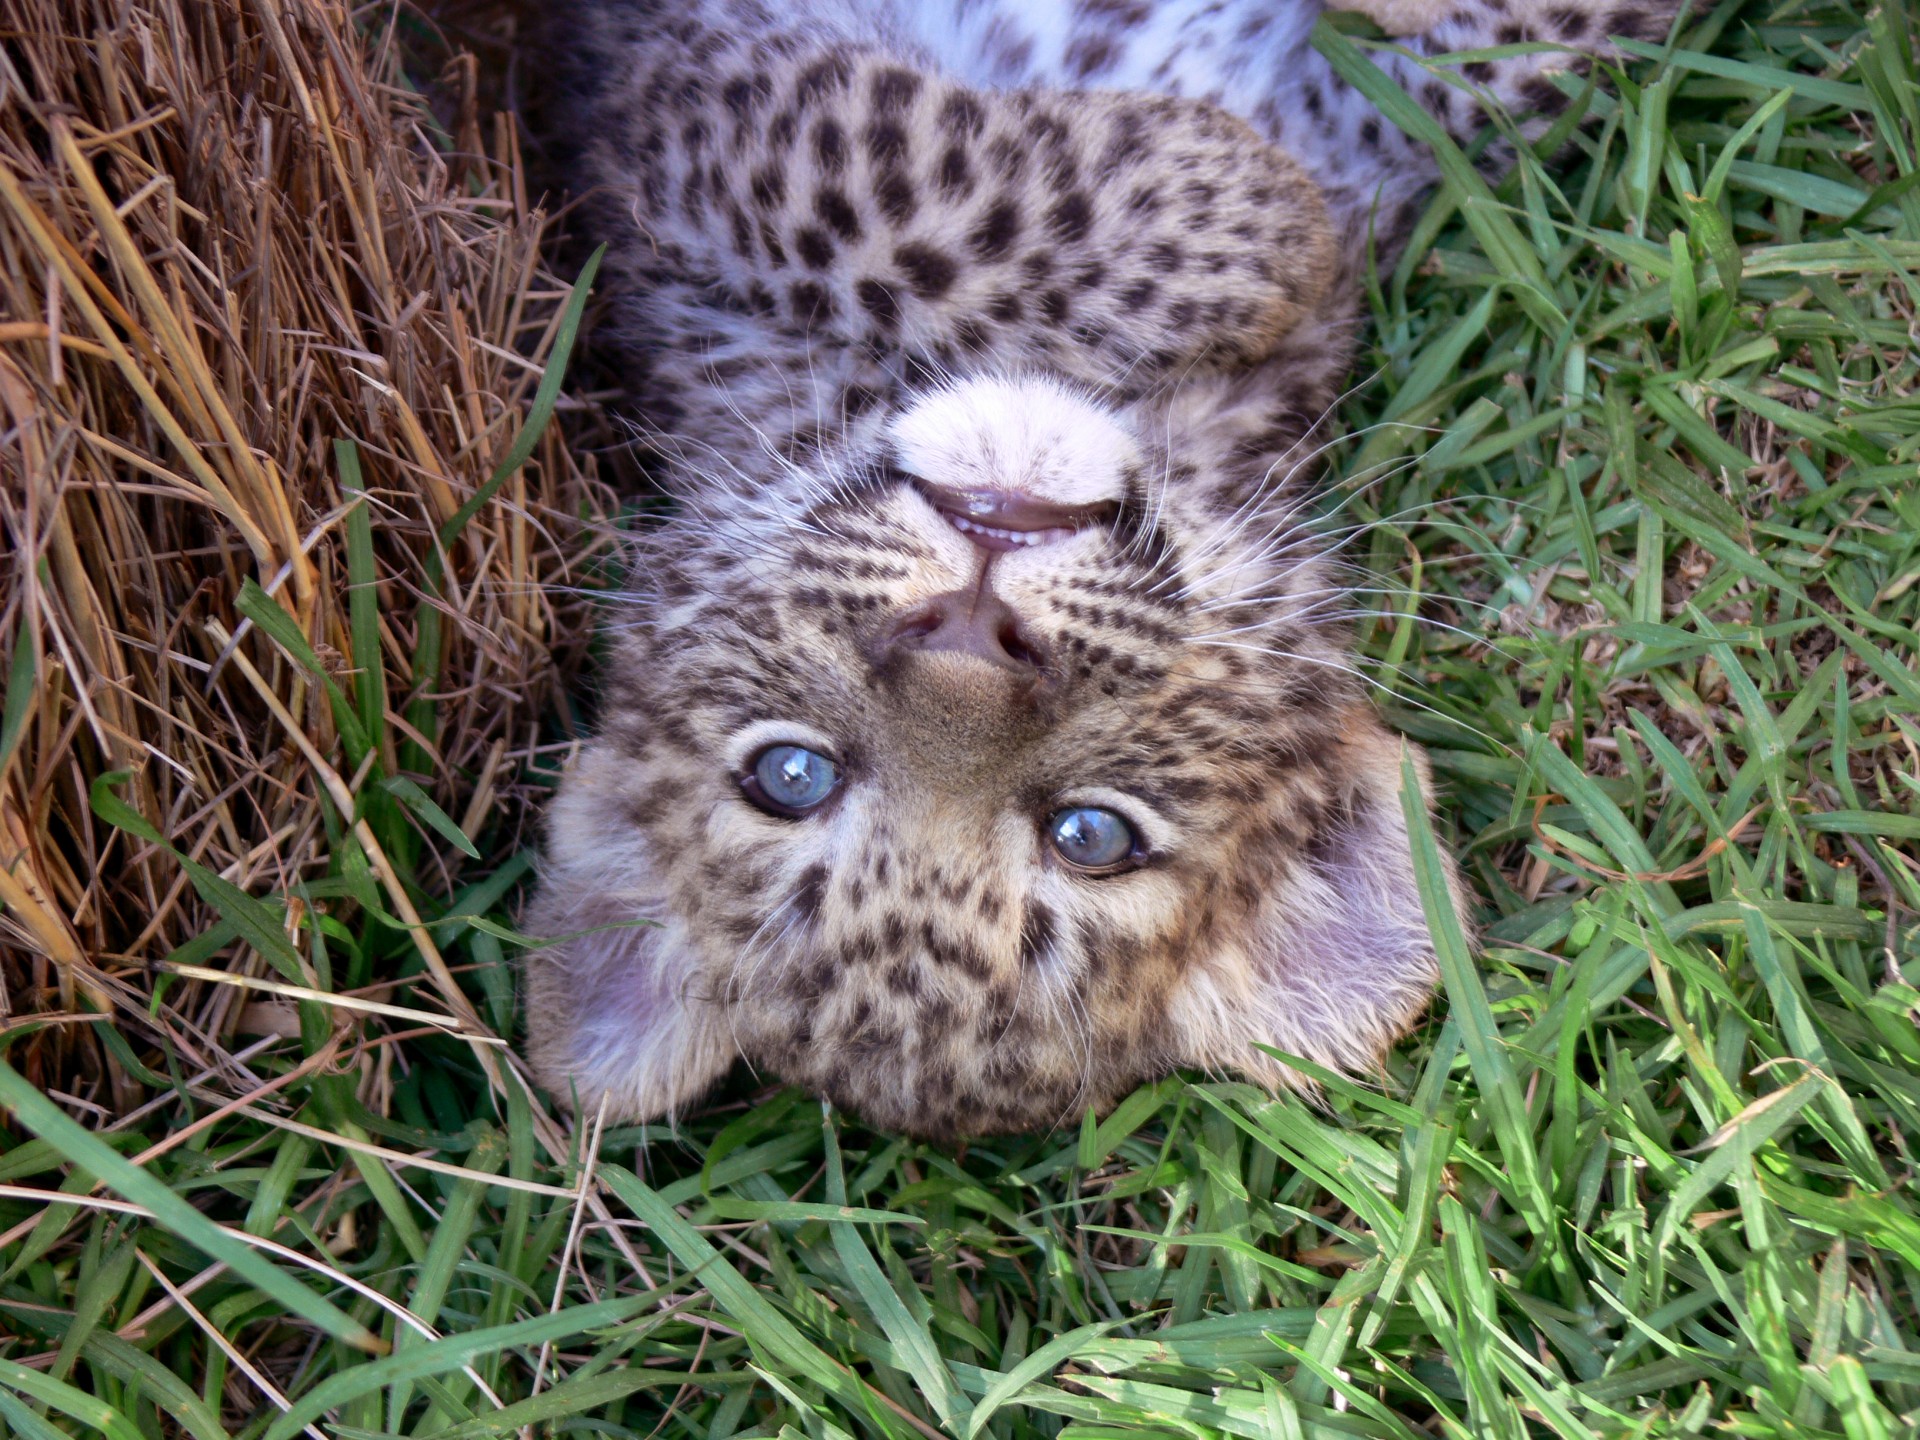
(790,780)
(1089,838)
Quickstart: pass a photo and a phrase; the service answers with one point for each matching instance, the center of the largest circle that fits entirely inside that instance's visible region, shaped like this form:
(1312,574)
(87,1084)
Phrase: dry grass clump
(230,238)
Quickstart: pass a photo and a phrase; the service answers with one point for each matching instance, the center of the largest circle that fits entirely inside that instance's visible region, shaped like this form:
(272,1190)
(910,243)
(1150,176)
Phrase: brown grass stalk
(230,236)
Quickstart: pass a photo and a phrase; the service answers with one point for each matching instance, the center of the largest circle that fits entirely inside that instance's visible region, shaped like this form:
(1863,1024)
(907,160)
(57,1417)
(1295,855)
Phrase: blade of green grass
(92,1154)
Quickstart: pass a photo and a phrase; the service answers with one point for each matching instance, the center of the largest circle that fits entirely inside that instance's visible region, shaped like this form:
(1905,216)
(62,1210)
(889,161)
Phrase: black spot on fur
(812,304)
(738,96)
(886,143)
(895,193)
(1570,23)
(823,77)
(973,334)
(1625,20)
(955,175)
(1036,933)
(816,250)
(1116,14)
(894,930)
(769,187)
(878,301)
(833,207)
(929,271)
(1071,217)
(830,145)
(894,89)
(962,115)
(809,892)
(997,229)
(770,242)
(1091,55)
(1542,95)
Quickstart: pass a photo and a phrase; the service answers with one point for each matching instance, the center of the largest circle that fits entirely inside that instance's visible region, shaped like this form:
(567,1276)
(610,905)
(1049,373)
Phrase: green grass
(1648,526)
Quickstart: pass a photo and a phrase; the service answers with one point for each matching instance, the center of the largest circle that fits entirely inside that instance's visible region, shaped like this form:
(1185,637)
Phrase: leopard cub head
(995,759)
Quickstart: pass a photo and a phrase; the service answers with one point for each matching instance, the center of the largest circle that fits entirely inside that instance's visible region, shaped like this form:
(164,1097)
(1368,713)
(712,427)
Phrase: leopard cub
(977,740)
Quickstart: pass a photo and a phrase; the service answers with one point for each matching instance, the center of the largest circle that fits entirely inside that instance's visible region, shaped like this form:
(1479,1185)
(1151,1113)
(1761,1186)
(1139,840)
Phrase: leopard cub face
(991,762)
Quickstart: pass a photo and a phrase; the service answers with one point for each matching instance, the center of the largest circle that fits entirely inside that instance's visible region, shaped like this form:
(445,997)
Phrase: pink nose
(976,623)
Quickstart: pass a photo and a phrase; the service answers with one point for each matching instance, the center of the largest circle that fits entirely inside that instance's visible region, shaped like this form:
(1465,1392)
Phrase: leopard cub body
(980,738)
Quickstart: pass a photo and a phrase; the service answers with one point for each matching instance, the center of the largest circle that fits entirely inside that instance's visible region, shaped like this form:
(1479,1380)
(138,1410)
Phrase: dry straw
(230,238)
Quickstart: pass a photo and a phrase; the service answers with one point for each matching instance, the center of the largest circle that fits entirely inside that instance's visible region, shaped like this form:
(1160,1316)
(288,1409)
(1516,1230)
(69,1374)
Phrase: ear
(1341,963)
(1257,429)
(615,1011)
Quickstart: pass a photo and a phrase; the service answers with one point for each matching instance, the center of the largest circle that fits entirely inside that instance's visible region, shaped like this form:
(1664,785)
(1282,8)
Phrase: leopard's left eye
(789,780)
(1092,838)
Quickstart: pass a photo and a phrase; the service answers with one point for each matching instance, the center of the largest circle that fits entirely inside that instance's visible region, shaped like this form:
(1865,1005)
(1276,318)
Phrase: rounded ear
(1340,963)
(1255,431)
(1220,239)
(614,1011)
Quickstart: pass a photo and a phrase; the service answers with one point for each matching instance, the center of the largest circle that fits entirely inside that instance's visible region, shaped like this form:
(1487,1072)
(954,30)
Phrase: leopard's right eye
(1093,839)
(789,780)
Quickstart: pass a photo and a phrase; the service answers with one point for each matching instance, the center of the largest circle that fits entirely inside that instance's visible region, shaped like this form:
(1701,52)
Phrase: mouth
(1009,520)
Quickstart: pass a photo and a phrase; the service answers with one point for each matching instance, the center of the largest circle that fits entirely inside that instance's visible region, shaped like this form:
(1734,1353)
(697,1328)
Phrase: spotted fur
(1098,254)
